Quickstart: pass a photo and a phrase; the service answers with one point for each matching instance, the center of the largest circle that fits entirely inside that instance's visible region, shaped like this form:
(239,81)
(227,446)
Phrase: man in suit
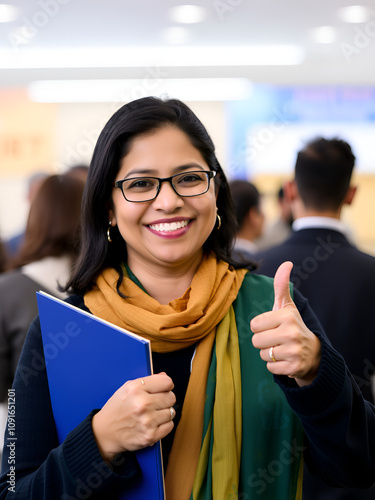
(336,277)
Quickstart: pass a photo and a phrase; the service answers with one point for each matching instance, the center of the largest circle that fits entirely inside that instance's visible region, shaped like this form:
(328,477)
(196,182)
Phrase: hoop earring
(218,221)
(109,232)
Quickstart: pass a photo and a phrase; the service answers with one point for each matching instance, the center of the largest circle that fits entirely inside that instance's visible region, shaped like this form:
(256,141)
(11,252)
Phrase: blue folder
(87,360)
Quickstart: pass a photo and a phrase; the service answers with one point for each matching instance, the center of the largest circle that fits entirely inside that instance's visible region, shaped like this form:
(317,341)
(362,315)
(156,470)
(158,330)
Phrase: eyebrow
(152,172)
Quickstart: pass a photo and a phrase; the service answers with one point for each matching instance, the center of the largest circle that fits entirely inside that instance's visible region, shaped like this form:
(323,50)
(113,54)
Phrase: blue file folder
(87,360)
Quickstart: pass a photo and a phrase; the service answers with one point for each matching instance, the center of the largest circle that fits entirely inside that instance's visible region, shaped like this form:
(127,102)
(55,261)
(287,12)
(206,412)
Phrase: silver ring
(173,412)
(271,355)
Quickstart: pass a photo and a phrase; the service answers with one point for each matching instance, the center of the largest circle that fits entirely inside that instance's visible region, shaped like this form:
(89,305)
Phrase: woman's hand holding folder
(138,415)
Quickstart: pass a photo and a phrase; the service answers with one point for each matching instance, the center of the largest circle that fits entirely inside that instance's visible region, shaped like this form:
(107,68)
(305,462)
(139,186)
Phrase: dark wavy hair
(53,224)
(140,117)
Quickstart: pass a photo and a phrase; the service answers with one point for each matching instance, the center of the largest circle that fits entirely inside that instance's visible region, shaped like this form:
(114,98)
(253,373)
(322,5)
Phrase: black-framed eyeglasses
(187,184)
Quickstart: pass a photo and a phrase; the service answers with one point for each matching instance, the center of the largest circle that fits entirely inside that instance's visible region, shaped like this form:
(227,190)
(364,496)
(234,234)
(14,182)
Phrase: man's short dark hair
(323,171)
(245,196)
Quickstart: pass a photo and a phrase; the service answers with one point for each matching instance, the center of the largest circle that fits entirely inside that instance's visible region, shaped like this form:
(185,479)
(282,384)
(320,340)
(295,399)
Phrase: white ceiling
(111,24)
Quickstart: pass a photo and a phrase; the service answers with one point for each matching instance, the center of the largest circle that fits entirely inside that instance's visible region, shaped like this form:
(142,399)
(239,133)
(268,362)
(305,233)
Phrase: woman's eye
(190,178)
(141,184)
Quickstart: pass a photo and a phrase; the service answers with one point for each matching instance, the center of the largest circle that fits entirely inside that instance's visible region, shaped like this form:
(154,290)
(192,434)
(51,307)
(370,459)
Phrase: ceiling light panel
(189,89)
(165,56)
(355,14)
(8,13)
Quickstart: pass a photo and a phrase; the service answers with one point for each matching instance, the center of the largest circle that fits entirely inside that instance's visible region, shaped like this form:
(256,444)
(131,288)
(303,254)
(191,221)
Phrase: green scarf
(270,453)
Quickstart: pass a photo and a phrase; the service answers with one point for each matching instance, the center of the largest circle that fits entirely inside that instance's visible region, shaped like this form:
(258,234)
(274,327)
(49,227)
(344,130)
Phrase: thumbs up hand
(285,342)
(281,287)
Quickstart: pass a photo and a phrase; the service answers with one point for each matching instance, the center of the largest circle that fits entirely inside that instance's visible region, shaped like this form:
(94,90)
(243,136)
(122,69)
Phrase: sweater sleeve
(339,424)
(34,465)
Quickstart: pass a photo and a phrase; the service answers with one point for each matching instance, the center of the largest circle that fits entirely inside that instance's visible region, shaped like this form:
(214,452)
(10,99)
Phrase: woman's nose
(167,199)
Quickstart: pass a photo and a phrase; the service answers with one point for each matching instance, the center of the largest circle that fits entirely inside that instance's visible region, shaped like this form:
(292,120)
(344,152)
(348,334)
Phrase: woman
(158,227)
(44,262)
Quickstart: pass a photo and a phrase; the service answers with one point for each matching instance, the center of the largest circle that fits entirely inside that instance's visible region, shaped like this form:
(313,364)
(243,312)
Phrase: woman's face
(169,230)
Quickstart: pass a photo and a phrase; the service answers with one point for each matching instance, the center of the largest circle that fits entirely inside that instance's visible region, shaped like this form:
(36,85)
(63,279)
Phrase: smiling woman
(165,221)
(148,141)
(243,389)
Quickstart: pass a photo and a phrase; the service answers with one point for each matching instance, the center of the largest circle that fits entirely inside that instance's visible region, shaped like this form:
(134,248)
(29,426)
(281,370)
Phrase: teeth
(169,226)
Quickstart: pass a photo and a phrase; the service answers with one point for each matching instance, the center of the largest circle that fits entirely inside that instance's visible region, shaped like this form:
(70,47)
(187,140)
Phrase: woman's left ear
(111,217)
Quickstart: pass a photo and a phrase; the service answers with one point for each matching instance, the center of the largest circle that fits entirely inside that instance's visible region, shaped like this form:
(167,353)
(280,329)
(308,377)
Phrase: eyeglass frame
(209,173)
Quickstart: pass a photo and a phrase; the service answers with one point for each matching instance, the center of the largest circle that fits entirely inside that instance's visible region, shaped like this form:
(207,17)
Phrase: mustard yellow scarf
(202,314)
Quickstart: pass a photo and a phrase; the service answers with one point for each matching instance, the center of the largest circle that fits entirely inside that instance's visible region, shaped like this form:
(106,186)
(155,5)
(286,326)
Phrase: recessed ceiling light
(187,14)
(8,13)
(176,35)
(324,34)
(355,14)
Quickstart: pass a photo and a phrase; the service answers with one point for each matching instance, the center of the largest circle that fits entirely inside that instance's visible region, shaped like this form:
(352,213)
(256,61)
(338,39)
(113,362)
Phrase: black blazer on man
(339,282)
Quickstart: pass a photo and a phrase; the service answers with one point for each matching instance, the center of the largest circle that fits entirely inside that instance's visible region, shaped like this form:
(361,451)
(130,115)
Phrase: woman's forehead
(165,149)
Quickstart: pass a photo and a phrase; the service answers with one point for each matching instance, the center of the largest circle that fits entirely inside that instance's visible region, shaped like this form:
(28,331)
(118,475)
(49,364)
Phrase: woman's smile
(172,228)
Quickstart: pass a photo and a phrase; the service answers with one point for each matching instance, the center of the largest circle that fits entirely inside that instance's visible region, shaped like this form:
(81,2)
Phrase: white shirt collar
(320,222)
(245,245)
(50,272)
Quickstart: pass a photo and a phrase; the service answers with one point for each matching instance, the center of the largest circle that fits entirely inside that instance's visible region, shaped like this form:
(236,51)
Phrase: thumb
(281,286)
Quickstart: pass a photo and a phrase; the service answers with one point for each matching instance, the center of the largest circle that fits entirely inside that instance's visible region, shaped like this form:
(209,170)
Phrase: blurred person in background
(3,257)
(336,277)
(249,215)
(280,229)
(13,244)
(43,263)
(78,171)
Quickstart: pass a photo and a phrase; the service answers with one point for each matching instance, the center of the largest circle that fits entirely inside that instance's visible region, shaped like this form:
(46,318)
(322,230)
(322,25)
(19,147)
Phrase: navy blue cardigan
(339,426)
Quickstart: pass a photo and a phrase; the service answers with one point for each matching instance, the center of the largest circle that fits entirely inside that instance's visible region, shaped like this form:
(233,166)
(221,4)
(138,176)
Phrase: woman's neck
(165,283)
